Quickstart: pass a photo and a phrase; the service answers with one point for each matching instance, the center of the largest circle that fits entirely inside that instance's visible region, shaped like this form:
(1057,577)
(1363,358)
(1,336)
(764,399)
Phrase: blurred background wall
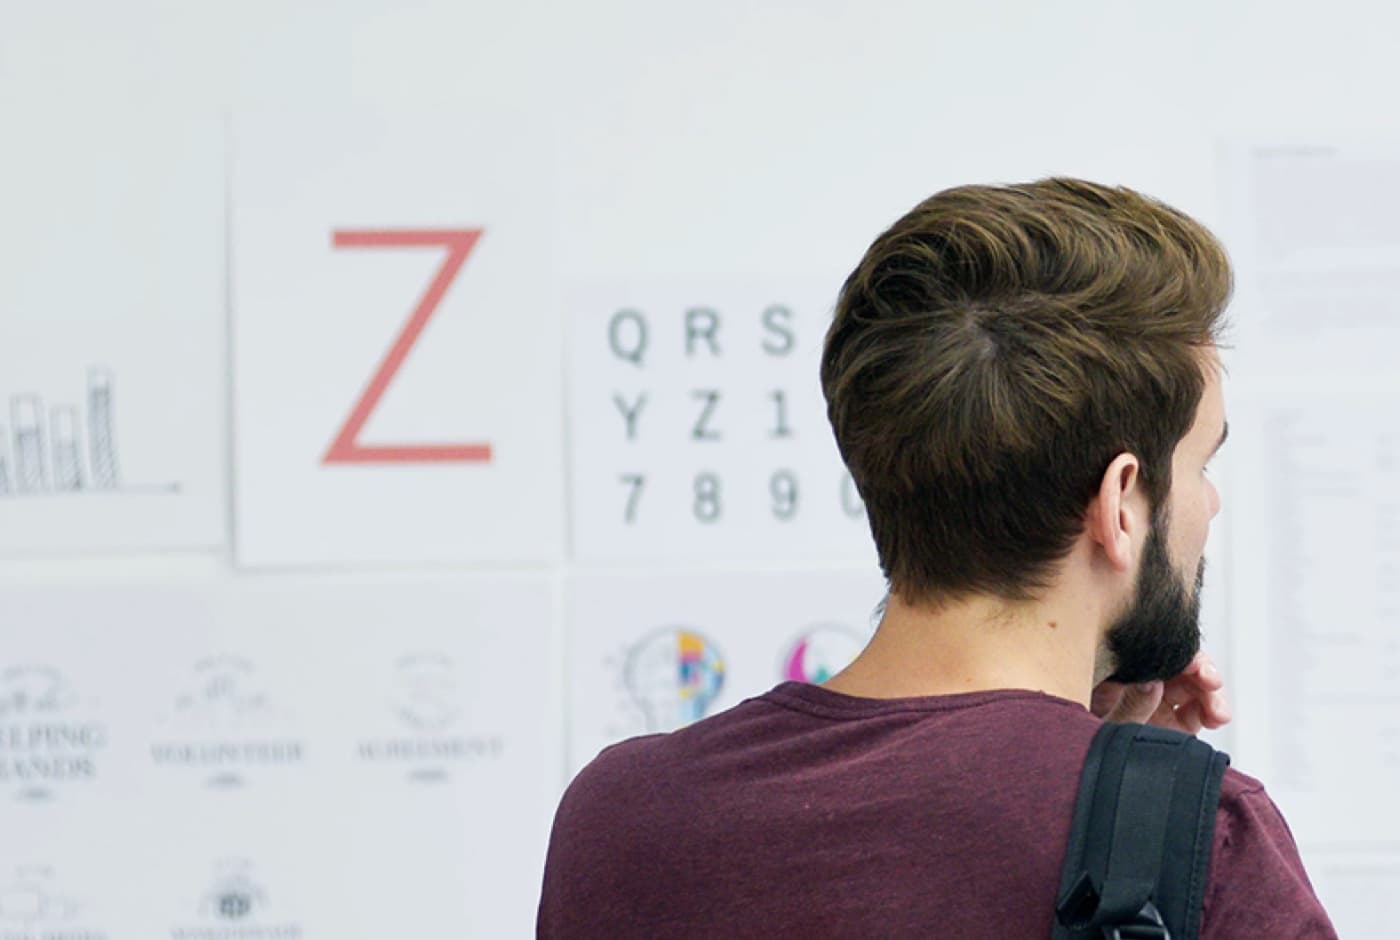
(400,402)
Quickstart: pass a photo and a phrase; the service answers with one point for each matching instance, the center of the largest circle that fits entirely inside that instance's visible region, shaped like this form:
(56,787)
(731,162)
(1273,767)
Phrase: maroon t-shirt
(808,813)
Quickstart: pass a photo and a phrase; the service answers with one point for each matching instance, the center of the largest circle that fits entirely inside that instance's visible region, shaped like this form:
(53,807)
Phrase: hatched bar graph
(26,412)
(63,428)
(52,458)
(101,439)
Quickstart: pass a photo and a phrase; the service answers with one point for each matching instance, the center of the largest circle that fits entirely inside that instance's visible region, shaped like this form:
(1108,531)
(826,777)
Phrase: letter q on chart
(697,426)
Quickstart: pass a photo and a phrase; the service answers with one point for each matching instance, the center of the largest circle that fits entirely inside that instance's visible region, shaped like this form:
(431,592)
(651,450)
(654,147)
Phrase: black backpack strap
(1140,842)
(1181,886)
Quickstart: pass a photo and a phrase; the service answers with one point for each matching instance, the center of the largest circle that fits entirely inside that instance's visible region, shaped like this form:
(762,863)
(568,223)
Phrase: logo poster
(271,742)
(653,653)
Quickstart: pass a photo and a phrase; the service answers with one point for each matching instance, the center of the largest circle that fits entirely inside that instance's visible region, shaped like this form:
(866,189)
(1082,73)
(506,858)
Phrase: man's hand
(1187,702)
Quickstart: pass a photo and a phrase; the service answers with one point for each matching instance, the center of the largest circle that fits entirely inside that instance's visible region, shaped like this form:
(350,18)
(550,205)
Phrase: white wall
(706,144)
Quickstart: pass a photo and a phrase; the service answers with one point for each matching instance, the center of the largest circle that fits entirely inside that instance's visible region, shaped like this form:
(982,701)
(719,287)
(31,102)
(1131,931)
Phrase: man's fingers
(1216,710)
(1138,703)
(1188,702)
(1188,717)
(1209,679)
(1210,700)
(1105,698)
(1203,672)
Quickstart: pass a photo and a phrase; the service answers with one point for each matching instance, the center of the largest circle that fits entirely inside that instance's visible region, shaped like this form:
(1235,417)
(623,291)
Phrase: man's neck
(976,645)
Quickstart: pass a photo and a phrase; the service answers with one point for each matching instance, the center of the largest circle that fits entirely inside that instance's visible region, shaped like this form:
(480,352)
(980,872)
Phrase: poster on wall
(1316,572)
(112,385)
(697,425)
(1317,595)
(1348,884)
(653,653)
(1310,228)
(276,744)
(396,340)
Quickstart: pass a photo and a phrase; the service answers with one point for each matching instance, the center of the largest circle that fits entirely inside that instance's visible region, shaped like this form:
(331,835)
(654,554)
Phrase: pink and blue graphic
(674,675)
(820,652)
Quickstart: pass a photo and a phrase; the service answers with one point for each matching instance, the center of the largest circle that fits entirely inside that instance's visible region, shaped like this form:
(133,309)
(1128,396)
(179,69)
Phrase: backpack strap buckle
(1137,932)
(1148,926)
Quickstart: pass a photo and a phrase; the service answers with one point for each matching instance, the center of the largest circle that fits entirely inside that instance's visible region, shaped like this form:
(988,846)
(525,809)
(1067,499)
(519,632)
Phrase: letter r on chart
(346,448)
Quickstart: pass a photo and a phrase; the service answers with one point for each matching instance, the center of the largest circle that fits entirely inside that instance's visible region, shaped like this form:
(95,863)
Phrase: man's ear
(1117,516)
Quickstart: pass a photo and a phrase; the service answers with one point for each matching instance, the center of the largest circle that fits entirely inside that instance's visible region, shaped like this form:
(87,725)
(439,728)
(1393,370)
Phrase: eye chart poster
(654,652)
(396,341)
(698,430)
(112,384)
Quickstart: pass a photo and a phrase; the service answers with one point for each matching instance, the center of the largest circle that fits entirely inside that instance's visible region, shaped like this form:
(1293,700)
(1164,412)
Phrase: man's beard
(1159,635)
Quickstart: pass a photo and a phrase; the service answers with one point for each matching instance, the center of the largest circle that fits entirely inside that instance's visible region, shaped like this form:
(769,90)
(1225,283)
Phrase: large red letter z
(346,448)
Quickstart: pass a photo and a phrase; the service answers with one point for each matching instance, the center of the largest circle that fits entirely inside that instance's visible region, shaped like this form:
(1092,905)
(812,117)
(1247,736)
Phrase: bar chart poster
(112,416)
(397,343)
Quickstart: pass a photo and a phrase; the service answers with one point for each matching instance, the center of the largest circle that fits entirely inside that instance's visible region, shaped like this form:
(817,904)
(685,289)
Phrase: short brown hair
(991,355)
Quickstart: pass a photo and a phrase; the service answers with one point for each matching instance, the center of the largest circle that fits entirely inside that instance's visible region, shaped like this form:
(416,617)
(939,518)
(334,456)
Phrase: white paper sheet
(396,340)
(1317,598)
(697,425)
(112,385)
(1311,231)
(1315,435)
(653,652)
(275,741)
(1354,888)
